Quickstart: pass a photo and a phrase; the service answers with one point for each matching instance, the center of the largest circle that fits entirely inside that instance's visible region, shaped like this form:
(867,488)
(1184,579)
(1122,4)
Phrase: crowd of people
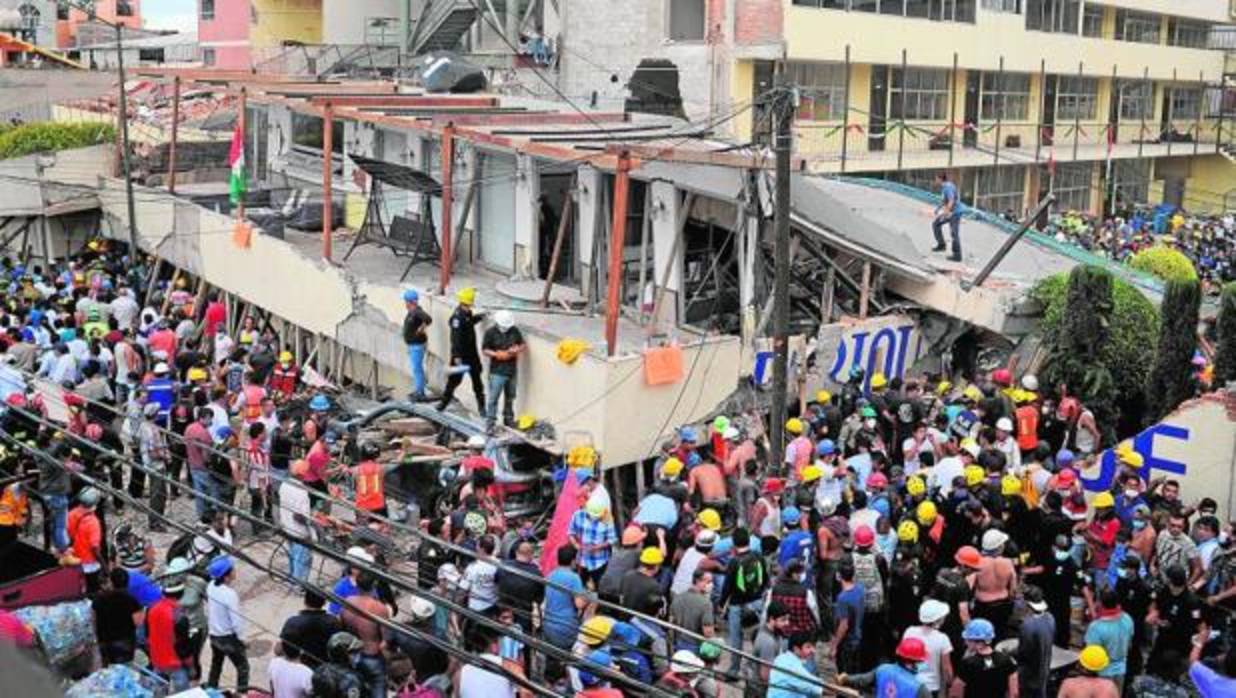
(920,537)
(1209,241)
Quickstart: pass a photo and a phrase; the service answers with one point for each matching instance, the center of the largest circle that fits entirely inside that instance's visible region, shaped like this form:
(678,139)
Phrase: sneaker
(938,248)
(69,560)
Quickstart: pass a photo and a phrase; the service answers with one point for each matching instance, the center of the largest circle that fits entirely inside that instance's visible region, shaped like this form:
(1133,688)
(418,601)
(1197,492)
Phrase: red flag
(556,537)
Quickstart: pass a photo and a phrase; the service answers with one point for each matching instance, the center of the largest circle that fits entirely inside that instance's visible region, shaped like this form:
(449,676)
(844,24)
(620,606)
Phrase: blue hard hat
(626,633)
(411,296)
(1064,456)
(224,433)
(599,658)
(219,567)
(319,403)
(979,629)
(790,516)
(826,447)
(687,434)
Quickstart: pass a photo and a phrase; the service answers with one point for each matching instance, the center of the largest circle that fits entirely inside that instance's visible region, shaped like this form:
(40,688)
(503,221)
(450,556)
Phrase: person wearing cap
(337,675)
(1100,536)
(643,589)
(765,514)
(415,323)
(797,543)
(1112,629)
(225,623)
(739,451)
(985,672)
(284,377)
(900,679)
(1034,645)
(683,676)
(168,635)
(464,356)
(936,671)
(348,586)
(152,443)
(799,451)
(792,670)
(624,559)
(697,557)
(592,532)
(1088,683)
(502,344)
(85,530)
(595,685)
(794,589)
(995,583)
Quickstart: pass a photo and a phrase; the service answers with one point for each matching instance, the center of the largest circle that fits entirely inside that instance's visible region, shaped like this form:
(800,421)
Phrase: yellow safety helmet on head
(973,393)
(651,557)
(1131,458)
(915,485)
(926,513)
(1094,658)
(811,473)
(823,397)
(709,519)
(671,468)
(596,630)
(467,296)
(1009,485)
(974,475)
(196,374)
(794,425)
(907,531)
(1103,500)
(285,357)
(943,388)
(878,381)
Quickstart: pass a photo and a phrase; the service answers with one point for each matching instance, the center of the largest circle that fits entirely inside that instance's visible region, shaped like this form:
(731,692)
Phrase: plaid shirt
(589,531)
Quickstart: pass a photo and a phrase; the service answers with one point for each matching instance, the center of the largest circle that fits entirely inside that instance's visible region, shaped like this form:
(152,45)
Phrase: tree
(1171,379)
(1225,348)
(1075,349)
(1167,263)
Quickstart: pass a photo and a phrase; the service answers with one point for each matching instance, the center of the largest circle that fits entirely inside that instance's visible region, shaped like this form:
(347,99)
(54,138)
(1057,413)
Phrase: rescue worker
(465,357)
(369,475)
(414,325)
(14,512)
(284,378)
(249,401)
(896,679)
(1088,684)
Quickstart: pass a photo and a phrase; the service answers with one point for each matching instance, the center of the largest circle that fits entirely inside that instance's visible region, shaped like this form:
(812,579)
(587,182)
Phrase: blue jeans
(58,505)
(499,383)
(937,227)
(300,560)
(416,357)
(733,632)
(179,678)
(372,670)
(204,486)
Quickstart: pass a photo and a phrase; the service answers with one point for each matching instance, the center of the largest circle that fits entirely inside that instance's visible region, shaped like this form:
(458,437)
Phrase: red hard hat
(17,400)
(913,649)
(877,480)
(74,400)
(969,556)
(1066,477)
(774,485)
(1002,376)
(94,432)
(864,536)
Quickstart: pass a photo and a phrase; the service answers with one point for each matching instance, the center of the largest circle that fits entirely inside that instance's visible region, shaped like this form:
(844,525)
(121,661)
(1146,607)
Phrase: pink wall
(227,34)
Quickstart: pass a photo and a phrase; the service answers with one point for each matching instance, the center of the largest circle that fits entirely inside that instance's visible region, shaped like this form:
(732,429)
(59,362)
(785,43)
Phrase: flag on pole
(238,184)
(557,535)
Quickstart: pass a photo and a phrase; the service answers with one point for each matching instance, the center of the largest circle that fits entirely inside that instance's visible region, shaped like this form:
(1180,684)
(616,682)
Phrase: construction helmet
(915,486)
(651,557)
(466,296)
(1094,658)
(596,629)
(968,556)
(823,397)
(1010,485)
(811,473)
(907,531)
(671,468)
(912,649)
(974,475)
(1131,458)
(1103,500)
(794,425)
(926,513)
(878,381)
(709,519)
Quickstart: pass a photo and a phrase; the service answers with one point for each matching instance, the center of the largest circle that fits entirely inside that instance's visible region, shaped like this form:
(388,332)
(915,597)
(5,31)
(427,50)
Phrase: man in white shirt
(294,516)
(937,671)
(289,678)
(124,309)
(477,681)
(479,577)
(225,623)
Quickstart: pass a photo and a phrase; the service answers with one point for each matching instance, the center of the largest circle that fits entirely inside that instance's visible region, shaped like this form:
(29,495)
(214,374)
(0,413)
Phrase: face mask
(1062,555)
(1131,494)
(869,423)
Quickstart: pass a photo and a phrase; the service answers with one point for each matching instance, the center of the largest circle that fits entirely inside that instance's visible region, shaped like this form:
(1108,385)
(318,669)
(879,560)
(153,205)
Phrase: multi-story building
(29,20)
(75,27)
(1013,97)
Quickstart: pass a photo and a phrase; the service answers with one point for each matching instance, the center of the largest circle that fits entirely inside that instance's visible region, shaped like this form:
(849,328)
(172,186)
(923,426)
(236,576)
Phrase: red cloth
(556,537)
(14,631)
(215,313)
(164,341)
(86,534)
(161,621)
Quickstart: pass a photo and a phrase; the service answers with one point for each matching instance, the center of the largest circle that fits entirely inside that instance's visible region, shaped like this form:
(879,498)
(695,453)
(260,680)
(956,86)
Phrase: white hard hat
(730,434)
(1004,424)
(932,611)
(160,368)
(686,662)
(993,539)
(826,506)
(476,441)
(421,609)
(1030,382)
(358,553)
(504,320)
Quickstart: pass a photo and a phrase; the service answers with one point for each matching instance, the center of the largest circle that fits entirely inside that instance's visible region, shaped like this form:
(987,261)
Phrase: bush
(1129,350)
(1171,380)
(28,139)
(1164,262)
(1225,346)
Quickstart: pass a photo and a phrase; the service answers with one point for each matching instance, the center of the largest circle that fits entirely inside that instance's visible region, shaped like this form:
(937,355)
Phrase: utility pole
(783,111)
(124,144)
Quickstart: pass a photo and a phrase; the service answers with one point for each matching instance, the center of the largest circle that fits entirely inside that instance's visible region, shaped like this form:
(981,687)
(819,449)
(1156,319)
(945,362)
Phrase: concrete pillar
(588,215)
(666,205)
(527,225)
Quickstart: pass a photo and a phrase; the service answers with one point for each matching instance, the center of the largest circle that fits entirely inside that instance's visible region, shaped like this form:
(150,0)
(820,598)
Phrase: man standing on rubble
(464,355)
(948,212)
(414,325)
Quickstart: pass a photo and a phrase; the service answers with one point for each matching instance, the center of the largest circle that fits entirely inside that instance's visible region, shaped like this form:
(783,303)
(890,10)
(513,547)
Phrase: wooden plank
(563,224)
(864,296)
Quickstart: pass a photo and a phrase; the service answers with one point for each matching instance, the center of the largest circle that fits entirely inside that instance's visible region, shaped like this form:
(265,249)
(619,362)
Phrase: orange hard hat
(968,556)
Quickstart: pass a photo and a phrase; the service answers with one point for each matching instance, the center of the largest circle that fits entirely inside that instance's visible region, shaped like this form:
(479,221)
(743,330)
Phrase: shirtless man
(995,583)
(706,487)
(372,665)
(1089,684)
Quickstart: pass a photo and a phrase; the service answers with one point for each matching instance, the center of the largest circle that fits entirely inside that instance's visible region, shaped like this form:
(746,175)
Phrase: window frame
(938,95)
(1140,180)
(962,11)
(1136,100)
(1000,181)
(209,56)
(1054,16)
(1140,23)
(1002,6)
(832,94)
(203,13)
(1192,107)
(995,100)
(308,148)
(1089,26)
(1067,184)
(1199,30)
(1068,100)
(686,37)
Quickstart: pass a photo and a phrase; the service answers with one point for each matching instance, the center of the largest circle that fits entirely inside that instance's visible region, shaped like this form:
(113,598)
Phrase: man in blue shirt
(949,211)
(792,673)
(564,600)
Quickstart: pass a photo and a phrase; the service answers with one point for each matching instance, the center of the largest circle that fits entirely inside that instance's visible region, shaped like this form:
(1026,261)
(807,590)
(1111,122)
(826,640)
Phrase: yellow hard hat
(1009,484)
(926,513)
(651,557)
(285,357)
(907,531)
(672,467)
(596,630)
(811,473)
(878,381)
(708,518)
(582,457)
(915,485)
(974,475)
(1131,458)
(794,425)
(197,374)
(93,245)
(972,393)
(1103,500)
(823,396)
(943,388)
(525,422)
(467,296)
(1094,658)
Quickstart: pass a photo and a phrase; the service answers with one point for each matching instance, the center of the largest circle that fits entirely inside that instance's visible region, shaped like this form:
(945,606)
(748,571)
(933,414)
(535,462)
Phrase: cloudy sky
(170,14)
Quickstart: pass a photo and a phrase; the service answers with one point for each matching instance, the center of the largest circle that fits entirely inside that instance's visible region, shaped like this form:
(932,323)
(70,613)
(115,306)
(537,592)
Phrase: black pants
(998,612)
(478,387)
(233,649)
(116,652)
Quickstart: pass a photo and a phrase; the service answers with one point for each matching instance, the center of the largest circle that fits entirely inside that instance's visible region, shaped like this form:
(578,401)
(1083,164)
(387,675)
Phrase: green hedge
(1129,350)
(26,139)
(1225,351)
(1164,262)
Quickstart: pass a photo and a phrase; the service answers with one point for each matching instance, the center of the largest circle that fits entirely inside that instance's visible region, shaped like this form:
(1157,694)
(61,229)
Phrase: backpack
(749,575)
(220,466)
(867,573)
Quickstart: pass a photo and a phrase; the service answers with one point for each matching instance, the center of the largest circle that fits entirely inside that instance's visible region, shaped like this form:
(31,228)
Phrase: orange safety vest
(1027,427)
(13,508)
(254,395)
(283,380)
(369,494)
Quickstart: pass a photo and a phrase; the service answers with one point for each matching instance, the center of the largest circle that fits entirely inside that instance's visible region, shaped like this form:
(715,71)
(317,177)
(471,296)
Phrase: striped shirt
(257,463)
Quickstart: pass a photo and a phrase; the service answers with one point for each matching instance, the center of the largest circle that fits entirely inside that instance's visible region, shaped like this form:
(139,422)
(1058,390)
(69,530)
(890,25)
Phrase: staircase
(442,25)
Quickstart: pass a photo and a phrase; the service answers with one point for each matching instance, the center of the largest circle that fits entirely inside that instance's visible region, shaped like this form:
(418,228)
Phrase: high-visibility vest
(283,380)
(1027,427)
(13,507)
(254,395)
(369,494)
